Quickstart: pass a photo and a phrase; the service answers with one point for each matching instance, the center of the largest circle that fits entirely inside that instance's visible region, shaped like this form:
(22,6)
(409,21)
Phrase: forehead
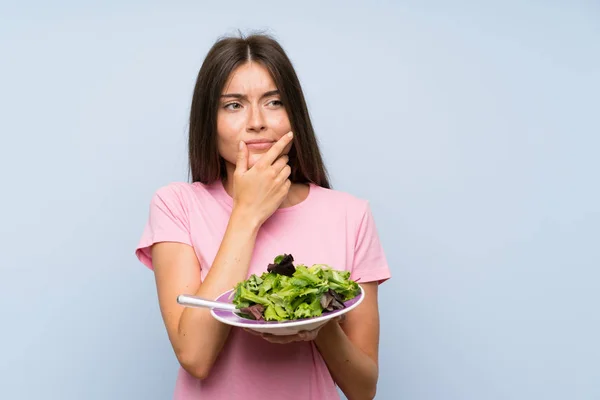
(250,78)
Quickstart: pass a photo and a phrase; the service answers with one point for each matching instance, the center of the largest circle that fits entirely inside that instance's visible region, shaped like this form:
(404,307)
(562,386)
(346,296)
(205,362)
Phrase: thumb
(241,164)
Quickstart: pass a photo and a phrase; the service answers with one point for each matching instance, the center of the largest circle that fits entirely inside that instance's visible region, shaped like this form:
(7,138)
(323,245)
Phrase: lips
(259,144)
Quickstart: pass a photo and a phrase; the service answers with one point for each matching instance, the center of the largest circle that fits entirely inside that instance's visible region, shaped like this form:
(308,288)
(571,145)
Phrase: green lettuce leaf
(271,314)
(301,294)
(303,311)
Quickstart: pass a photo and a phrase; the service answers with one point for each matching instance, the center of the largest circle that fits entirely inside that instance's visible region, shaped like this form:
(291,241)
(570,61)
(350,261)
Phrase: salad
(288,292)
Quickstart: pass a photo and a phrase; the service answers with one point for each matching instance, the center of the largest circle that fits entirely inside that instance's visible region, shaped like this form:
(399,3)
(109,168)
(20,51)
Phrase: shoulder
(174,189)
(181,191)
(345,201)
(343,206)
(176,197)
(183,197)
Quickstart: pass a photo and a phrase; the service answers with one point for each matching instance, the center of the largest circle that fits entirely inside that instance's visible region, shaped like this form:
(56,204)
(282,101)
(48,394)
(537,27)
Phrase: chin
(253,158)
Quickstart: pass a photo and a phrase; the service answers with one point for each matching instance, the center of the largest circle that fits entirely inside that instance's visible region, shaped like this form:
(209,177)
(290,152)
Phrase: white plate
(280,327)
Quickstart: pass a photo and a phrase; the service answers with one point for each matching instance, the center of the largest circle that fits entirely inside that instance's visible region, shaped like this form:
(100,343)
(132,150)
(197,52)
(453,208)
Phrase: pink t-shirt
(328,227)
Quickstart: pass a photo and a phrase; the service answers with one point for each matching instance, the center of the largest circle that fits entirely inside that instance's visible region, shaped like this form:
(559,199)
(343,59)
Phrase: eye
(232,106)
(276,103)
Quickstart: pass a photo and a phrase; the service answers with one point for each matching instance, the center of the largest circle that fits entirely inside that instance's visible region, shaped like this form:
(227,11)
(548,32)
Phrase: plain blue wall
(473,129)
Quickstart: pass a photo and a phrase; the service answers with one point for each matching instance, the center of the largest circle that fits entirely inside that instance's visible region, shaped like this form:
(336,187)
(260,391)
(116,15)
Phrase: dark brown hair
(205,162)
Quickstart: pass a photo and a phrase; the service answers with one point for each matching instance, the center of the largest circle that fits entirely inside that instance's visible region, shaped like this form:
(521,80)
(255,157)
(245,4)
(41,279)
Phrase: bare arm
(196,337)
(351,350)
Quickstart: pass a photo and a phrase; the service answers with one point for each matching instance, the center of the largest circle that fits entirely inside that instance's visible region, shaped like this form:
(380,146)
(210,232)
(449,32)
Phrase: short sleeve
(370,264)
(167,222)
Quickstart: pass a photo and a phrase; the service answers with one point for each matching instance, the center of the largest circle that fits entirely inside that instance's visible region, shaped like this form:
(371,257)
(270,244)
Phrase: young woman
(259,189)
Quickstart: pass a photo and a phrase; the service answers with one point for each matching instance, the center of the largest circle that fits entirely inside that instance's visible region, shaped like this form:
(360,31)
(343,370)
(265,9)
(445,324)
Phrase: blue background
(473,129)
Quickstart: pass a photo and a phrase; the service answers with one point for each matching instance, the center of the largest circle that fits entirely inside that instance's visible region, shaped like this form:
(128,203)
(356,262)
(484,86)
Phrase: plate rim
(287,324)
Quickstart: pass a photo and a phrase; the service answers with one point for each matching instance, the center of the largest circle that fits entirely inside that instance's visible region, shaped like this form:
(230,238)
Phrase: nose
(256,121)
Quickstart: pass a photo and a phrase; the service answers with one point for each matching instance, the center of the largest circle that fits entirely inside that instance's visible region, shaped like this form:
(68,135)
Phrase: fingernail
(291,134)
(241,145)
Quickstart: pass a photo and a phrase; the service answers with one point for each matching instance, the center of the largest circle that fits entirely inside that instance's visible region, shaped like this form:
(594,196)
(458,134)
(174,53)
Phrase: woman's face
(250,109)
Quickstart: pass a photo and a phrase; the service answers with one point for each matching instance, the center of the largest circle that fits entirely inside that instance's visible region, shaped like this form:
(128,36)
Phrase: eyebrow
(243,96)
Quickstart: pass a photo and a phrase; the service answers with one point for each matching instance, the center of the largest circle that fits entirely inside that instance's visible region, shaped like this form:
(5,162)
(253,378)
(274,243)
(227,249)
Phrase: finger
(280,163)
(283,174)
(252,332)
(309,335)
(285,187)
(277,339)
(284,339)
(270,156)
(241,165)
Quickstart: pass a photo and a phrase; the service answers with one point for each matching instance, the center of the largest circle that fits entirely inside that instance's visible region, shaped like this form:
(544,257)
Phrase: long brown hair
(205,163)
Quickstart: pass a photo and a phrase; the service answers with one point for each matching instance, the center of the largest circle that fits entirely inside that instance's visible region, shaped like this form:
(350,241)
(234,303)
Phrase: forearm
(201,337)
(354,371)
